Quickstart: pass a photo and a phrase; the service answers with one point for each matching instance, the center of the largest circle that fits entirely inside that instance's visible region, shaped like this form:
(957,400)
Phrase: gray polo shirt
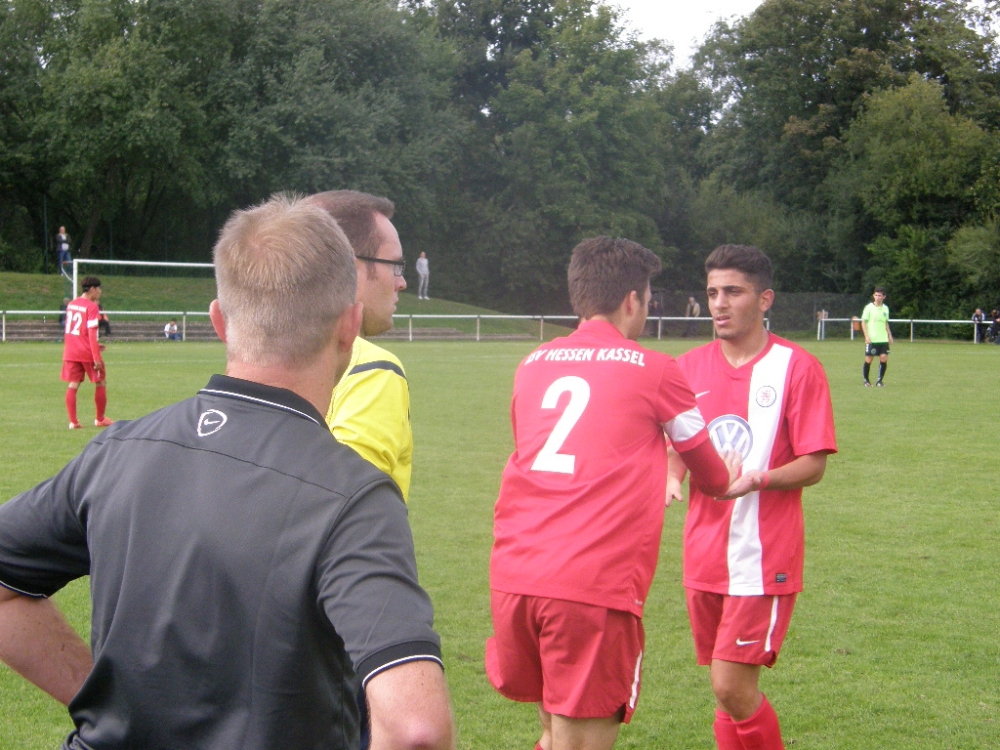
(246,572)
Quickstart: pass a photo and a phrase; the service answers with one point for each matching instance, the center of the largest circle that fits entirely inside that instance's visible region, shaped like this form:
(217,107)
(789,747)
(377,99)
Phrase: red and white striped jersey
(772,409)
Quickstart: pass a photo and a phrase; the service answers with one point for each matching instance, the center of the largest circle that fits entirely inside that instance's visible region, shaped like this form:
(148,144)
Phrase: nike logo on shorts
(703,393)
(741,642)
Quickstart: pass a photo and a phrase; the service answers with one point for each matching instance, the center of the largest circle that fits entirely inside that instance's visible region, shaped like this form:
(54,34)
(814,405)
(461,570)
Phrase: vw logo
(731,433)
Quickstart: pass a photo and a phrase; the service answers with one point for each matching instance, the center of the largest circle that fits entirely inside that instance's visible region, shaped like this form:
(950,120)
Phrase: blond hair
(284,273)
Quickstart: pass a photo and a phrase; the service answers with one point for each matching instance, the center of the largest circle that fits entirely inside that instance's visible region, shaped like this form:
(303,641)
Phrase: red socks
(100,401)
(761,731)
(71,405)
(726,736)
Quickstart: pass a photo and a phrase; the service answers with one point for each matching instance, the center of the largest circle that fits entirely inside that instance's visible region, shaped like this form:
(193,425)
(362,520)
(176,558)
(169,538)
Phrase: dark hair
(746,259)
(355,212)
(879,290)
(89,282)
(603,271)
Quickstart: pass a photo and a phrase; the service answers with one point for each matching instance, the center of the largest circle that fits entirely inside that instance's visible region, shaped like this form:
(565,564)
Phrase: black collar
(278,398)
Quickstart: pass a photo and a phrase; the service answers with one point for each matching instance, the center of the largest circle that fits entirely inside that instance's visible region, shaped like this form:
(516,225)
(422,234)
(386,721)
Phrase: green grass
(895,643)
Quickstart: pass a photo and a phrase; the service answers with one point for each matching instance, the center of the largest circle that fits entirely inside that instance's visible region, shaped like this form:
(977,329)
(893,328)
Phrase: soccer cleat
(868,384)
(878,384)
(75,426)
(103,422)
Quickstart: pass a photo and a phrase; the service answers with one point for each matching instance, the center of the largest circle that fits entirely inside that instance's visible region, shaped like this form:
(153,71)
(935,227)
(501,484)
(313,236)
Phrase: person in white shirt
(170,331)
(424,271)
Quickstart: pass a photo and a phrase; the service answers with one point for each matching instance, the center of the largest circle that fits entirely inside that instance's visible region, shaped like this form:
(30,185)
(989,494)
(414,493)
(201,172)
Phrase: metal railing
(180,314)
(855,325)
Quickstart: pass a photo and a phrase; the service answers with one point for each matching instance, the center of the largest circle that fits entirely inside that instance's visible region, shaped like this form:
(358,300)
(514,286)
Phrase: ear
(348,326)
(766,299)
(631,304)
(218,320)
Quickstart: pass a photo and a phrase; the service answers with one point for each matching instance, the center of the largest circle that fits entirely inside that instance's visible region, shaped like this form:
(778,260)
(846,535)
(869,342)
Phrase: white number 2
(549,458)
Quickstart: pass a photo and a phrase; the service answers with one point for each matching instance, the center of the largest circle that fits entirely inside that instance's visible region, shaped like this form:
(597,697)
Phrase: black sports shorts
(877,350)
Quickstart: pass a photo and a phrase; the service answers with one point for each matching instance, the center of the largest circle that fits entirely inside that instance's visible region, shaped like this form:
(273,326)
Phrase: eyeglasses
(398,266)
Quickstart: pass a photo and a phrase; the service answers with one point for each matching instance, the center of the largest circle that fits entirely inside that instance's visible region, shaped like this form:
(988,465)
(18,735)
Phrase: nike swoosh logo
(209,424)
(703,393)
(745,643)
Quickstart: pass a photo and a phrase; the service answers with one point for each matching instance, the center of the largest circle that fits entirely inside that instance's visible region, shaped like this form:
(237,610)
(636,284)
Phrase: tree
(908,160)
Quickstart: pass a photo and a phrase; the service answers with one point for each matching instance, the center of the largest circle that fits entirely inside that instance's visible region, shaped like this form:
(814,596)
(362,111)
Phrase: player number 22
(549,458)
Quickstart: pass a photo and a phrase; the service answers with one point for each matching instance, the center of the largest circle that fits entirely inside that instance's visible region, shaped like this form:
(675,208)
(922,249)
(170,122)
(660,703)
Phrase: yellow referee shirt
(370,411)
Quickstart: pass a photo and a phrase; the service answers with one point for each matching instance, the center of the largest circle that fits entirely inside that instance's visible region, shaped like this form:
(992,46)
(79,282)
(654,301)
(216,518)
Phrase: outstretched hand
(749,482)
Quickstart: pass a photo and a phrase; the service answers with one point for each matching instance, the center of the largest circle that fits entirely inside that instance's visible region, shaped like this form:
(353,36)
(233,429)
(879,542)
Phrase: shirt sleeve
(681,418)
(809,412)
(43,537)
(370,413)
(367,584)
(866,315)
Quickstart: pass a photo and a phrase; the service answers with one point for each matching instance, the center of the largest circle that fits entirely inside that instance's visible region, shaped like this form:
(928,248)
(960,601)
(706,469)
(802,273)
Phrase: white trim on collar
(276,405)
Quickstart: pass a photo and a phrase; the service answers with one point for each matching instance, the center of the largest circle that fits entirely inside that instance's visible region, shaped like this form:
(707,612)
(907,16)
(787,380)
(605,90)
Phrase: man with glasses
(370,410)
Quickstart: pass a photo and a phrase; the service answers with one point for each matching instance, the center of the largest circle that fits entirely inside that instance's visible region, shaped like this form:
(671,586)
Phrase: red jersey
(773,409)
(581,501)
(80,339)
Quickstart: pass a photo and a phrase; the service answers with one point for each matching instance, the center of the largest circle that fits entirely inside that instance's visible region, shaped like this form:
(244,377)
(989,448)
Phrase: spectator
(693,310)
(102,321)
(170,331)
(424,272)
(979,325)
(995,326)
(62,249)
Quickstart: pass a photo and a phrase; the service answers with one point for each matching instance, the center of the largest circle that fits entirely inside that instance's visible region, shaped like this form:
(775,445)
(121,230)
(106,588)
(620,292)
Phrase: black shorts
(876,350)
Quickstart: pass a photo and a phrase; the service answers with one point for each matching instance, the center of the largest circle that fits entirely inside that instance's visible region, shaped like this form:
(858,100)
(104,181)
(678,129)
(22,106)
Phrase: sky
(683,23)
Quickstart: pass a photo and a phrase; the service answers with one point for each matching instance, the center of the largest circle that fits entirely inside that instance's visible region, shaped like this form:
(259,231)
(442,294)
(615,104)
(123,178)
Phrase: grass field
(895,643)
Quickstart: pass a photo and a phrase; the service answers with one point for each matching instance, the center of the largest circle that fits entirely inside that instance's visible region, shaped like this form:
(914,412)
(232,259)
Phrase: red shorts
(577,660)
(73,372)
(744,629)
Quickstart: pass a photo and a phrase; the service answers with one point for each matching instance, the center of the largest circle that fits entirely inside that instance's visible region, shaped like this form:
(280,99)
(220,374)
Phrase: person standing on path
(424,272)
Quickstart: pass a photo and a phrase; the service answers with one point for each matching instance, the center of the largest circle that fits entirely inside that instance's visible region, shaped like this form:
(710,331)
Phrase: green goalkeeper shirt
(876,319)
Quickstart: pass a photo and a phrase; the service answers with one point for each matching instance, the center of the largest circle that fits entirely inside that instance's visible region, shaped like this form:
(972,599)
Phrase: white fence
(179,314)
(855,325)
(182,316)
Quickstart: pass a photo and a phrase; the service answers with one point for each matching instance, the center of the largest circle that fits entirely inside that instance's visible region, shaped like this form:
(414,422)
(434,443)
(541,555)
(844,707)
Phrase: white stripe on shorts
(774,622)
(635,683)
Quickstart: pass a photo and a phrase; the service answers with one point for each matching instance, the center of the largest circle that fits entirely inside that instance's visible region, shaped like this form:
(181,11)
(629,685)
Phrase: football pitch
(895,642)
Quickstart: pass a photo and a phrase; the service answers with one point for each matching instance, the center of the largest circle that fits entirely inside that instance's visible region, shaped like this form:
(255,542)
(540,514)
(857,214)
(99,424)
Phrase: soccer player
(768,399)
(82,352)
(878,336)
(578,520)
(370,409)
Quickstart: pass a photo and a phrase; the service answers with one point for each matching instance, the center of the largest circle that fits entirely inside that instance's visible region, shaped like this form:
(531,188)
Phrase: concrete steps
(121,330)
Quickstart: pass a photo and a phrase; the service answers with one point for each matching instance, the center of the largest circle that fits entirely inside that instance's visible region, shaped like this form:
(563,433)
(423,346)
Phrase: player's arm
(676,471)
(712,473)
(95,345)
(804,471)
(864,329)
(38,644)
(409,708)
(888,330)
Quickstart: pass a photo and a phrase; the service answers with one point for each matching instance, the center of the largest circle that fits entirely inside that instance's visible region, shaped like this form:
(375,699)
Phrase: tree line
(856,141)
